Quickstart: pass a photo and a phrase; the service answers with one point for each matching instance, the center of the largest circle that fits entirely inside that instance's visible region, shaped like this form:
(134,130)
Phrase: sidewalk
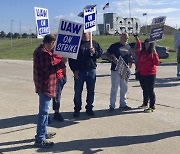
(129,132)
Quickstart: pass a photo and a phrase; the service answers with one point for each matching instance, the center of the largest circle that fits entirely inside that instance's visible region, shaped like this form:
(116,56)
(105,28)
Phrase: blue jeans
(59,87)
(89,77)
(44,105)
(116,81)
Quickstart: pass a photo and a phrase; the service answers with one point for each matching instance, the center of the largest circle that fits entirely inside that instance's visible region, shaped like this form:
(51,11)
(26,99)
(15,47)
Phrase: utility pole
(104,23)
(145,14)
(30,35)
(20,30)
(129,9)
(11,27)
(146,23)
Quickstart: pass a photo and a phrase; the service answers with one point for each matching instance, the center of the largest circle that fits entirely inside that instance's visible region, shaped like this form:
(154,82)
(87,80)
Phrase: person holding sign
(61,81)
(137,49)
(84,70)
(44,76)
(146,65)
(113,53)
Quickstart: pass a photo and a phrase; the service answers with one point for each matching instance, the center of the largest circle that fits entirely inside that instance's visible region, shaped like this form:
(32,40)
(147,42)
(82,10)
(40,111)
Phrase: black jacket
(84,59)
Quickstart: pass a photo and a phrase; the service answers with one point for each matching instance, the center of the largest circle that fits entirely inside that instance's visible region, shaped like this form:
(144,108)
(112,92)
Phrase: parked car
(161,50)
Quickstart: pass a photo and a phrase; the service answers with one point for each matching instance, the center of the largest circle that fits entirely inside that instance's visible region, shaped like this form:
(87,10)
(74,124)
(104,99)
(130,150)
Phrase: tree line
(10,35)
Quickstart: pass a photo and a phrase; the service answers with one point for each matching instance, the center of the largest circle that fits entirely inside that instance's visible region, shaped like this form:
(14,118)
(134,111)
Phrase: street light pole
(129,9)
(11,31)
(30,35)
(145,14)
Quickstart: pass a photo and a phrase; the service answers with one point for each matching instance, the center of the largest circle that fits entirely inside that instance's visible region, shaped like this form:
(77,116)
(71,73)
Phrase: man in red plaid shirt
(44,75)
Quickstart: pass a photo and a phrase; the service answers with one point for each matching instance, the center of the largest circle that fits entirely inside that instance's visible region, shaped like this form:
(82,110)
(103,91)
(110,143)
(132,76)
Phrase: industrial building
(114,25)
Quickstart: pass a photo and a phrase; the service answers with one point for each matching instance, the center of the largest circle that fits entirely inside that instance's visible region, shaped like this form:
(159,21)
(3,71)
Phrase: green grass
(105,41)
(23,49)
(168,41)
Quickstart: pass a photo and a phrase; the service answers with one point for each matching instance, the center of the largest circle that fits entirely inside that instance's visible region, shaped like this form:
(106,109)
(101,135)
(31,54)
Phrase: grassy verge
(22,49)
(168,41)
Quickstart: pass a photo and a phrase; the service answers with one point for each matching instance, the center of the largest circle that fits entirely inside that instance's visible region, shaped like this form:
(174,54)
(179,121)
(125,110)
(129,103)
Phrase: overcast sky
(14,12)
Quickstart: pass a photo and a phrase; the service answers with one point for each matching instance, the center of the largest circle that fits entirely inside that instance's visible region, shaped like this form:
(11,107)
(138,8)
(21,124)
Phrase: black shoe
(142,106)
(111,109)
(49,120)
(125,108)
(76,114)
(90,112)
(43,144)
(50,135)
(58,117)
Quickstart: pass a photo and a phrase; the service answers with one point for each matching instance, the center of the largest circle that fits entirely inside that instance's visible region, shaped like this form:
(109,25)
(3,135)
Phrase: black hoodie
(84,59)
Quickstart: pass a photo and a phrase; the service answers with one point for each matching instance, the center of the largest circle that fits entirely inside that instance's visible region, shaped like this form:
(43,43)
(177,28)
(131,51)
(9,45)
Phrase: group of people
(49,73)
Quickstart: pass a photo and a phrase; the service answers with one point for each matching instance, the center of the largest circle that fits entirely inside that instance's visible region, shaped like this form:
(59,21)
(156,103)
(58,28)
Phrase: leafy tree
(24,35)
(16,35)
(9,35)
(2,34)
(33,35)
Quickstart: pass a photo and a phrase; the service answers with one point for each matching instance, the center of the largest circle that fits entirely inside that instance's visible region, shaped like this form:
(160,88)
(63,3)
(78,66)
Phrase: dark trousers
(147,83)
(59,87)
(88,77)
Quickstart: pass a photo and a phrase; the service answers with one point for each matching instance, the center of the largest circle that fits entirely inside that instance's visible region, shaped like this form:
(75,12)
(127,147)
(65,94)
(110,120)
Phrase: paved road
(127,132)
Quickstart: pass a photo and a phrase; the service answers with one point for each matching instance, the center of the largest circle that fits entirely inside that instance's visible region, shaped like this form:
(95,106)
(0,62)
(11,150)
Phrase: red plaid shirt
(44,71)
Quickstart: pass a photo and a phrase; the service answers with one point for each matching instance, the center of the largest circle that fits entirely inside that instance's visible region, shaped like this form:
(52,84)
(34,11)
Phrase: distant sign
(90,18)
(42,22)
(158,20)
(81,14)
(68,38)
(157,28)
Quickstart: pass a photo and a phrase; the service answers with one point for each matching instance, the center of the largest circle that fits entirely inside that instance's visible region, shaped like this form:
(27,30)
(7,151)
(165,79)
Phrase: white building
(117,25)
